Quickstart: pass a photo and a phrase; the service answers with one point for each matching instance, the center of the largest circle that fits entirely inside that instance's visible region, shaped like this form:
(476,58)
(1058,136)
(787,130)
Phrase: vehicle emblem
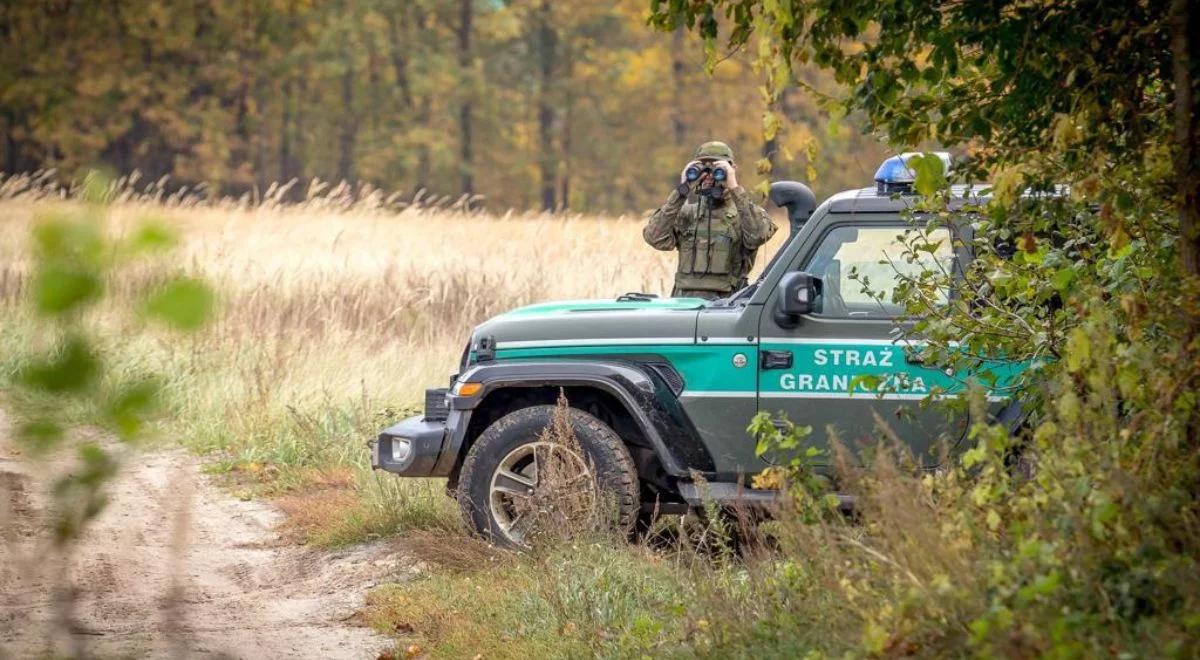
(739,360)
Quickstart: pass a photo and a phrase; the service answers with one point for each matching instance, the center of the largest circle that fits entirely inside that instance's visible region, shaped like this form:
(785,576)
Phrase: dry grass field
(333,317)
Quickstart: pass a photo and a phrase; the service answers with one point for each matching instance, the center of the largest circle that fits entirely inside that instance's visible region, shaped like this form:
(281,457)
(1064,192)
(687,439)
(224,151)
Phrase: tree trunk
(678,124)
(10,144)
(399,58)
(770,147)
(285,134)
(466,156)
(424,111)
(285,106)
(241,166)
(240,153)
(349,133)
(1185,46)
(770,150)
(547,42)
(564,190)
(300,165)
(424,158)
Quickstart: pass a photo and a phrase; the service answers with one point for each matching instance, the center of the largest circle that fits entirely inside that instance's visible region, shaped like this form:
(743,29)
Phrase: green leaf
(1063,278)
(1079,350)
(930,171)
(865,383)
(183,303)
(993,520)
(973,456)
(40,434)
(59,238)
(72,368)
(60,288)
(152,237)
(128,410)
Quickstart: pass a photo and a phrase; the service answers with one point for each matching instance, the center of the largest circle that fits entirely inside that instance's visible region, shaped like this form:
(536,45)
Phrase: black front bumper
(432,439)
(425,439)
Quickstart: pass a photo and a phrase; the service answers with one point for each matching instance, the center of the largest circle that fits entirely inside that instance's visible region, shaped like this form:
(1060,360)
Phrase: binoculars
(696,171)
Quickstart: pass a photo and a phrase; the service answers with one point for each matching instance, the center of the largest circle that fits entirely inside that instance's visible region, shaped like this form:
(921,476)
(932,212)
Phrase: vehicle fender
(644,394)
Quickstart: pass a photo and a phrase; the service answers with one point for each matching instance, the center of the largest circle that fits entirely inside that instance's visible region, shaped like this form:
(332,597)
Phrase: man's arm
(659,232)
(754,224)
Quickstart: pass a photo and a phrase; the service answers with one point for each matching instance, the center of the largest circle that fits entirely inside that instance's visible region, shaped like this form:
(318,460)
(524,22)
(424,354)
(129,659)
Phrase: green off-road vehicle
(660,391)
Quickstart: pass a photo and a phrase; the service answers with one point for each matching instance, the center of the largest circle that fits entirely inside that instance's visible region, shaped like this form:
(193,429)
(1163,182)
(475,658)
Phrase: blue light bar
(895,176)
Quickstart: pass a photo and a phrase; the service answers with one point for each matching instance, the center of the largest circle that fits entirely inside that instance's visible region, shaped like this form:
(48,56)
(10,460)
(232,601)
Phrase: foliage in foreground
(64,377)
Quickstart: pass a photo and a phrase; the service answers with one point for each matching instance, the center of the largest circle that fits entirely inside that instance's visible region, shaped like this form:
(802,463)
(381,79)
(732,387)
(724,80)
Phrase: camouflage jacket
(717,242)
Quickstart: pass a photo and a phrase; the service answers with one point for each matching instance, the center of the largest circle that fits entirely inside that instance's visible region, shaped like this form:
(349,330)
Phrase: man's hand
(683,173)
(730,173)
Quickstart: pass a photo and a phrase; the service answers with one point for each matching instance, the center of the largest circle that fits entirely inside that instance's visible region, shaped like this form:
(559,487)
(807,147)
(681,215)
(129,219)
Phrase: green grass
(573,601)
(613,600)
(305,448)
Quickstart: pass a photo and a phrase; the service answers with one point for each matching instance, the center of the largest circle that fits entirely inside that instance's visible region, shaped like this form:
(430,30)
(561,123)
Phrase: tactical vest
(710,254)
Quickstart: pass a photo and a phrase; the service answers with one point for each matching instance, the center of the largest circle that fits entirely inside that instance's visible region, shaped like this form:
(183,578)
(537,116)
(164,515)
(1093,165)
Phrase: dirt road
(174,567)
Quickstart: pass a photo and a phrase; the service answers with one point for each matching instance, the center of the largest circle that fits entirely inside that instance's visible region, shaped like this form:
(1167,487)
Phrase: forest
(527,104)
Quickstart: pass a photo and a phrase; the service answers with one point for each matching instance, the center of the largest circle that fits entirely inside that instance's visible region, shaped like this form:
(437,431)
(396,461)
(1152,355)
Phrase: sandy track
(174,567)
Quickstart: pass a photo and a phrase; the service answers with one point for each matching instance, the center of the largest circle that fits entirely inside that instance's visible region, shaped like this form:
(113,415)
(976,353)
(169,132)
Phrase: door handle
(776,360)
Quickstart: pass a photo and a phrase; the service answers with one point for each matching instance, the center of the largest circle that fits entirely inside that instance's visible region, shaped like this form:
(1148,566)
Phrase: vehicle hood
(594,323)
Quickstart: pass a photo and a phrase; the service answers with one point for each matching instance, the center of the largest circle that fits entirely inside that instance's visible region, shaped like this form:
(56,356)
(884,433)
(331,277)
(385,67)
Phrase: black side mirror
(797,296)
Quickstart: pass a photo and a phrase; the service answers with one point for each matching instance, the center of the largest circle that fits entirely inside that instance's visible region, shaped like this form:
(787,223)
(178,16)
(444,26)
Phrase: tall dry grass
(334,314)
(334,298)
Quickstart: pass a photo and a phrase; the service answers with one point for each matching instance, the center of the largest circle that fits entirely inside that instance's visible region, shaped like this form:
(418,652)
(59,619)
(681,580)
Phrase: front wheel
(530,473)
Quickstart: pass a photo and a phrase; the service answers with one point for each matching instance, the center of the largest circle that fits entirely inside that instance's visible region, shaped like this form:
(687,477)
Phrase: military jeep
(660,391)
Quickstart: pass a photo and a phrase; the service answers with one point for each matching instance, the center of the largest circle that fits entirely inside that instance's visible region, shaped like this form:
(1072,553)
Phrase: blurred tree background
(527,103)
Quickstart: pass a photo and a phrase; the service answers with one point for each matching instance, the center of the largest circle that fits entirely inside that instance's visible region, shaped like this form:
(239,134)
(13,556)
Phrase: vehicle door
(841,369)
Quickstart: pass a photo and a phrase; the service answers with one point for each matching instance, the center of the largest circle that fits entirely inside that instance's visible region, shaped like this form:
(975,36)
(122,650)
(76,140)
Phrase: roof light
(895,176)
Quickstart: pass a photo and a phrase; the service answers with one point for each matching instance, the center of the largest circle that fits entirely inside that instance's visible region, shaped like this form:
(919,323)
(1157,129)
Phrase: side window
(848,256)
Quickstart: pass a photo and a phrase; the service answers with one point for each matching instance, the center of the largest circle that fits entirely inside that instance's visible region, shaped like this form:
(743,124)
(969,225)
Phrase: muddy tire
(515,484)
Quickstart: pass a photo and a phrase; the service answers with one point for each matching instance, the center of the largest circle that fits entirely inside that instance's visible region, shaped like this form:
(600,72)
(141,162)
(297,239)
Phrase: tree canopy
(527,103)
(1100,96)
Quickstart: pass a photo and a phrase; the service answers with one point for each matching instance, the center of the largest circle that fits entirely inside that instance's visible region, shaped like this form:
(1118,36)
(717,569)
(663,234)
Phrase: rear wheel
(523,478)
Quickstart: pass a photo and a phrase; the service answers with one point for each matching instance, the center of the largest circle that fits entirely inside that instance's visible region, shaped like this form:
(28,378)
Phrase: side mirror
(797,296)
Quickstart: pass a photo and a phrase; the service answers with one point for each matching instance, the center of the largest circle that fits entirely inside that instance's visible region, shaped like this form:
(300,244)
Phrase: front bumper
(425,440)
(425,445)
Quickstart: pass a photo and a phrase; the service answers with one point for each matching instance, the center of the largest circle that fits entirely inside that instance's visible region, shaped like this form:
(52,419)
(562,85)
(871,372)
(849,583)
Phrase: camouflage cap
(715,151)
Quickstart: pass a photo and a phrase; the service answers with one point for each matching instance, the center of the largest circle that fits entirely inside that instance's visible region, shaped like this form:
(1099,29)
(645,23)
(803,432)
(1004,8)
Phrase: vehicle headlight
(401,449)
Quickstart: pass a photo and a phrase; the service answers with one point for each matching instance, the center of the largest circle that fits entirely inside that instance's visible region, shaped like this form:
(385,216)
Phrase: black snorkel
(800,202)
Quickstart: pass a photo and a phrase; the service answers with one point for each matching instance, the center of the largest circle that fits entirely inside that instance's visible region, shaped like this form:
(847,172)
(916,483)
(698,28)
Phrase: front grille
(437,409)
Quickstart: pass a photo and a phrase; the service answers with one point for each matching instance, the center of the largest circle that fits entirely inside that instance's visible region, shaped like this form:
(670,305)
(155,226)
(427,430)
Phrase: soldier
(717,231)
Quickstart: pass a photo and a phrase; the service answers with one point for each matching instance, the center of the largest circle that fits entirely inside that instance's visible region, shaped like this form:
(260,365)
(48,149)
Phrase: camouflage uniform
(717,239)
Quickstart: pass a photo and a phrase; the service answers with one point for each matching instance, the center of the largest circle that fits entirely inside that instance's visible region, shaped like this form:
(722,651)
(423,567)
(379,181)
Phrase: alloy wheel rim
(539,485)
